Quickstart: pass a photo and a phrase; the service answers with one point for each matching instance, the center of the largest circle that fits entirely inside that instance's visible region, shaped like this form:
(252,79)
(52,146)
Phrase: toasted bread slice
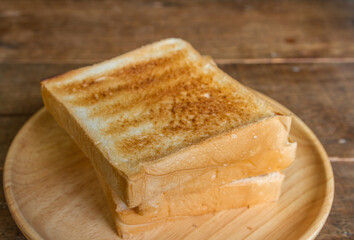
(236,194)
(160,116)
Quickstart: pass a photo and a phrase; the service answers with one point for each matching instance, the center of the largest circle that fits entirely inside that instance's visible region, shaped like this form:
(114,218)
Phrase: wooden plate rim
(21,221)
(311,232)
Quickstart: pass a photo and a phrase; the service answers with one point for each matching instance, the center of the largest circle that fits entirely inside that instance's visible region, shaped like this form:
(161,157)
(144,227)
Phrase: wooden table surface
(300,53)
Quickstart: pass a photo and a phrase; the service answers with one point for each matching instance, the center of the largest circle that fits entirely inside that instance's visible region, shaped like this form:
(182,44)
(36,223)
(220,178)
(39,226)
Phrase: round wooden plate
(53,193)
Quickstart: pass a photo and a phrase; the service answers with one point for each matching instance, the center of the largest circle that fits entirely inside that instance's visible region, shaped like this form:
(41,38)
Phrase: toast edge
(61,114)
(126,228)
(270,161)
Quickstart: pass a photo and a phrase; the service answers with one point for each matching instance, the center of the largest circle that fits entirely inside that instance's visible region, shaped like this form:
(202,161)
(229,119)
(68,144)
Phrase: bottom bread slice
(236,194)
(221,175)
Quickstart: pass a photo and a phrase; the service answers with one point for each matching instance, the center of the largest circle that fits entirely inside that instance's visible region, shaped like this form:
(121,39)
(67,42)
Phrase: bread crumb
(207,95)
(213,176)
(254,136)
(101,78)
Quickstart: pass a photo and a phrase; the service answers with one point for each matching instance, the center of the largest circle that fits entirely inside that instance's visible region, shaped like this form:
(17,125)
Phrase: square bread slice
(236,194)
(162,115)
(219,176)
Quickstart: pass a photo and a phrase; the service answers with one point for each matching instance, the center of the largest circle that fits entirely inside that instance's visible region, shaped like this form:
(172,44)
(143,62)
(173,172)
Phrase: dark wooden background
(300,53)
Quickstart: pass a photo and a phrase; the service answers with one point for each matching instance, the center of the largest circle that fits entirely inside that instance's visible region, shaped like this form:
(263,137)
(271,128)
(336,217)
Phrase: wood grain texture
(9,126)
(321,94)
(50,185)
(75,31)
(70,33)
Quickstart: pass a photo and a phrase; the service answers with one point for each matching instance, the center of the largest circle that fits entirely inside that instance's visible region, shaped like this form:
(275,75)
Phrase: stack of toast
(170,134)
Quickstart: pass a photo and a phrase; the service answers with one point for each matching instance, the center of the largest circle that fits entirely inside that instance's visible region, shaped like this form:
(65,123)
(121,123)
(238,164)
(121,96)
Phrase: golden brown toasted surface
(154,107)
